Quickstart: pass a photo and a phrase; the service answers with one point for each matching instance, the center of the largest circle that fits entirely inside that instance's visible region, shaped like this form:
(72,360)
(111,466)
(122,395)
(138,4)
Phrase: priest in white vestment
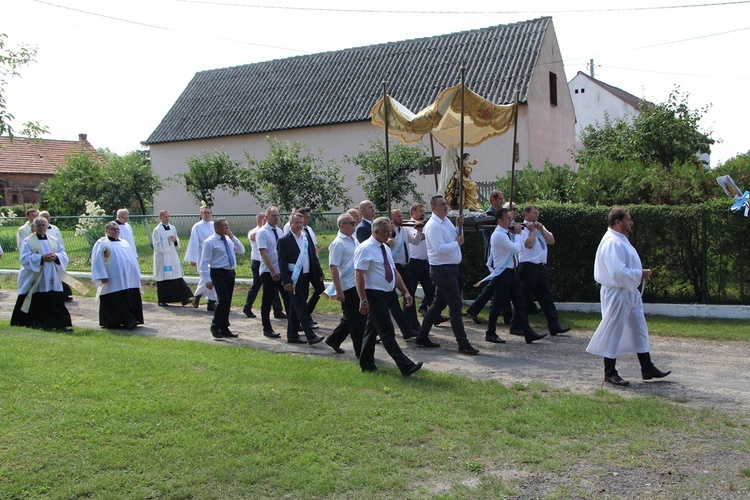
(126,230)
(115,270)
(40,257)
(623,328)
(170,285)
(54,231)
(201,230)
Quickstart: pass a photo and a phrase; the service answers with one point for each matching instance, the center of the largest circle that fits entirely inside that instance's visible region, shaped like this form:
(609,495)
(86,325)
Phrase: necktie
(274,234)
(406,246)
(388,270)
(515,259)
(541,239)
(229,253)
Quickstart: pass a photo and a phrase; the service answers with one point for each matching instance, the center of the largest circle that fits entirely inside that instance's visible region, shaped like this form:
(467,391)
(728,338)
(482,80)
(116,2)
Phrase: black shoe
(280,315)
(315,340)
(534,336)
(374,369)
(132,326)
(410,334)
(468,349)
(187,301)
(654,373)
(196,301)
(517,332)
(414,369)
(296,340)
(475,318)
(271,334)
(494,339)
(211,305)
(249,313)
(559,329)
(163,304)
(314,326)
(336,348)
(69,298)
(440,320)
(426,342)
(216,333)
(226,332)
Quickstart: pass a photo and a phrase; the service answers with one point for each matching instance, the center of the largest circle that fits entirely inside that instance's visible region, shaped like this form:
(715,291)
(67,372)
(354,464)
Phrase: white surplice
(623,328)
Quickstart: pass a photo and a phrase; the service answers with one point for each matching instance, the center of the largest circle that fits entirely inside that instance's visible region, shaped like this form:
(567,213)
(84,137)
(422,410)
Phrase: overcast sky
(112,69)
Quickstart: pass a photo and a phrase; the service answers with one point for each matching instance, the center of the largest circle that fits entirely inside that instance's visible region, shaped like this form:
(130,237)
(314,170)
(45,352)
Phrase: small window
(426,168)
(583,90)
(576,91)
(552,88)
(14,199)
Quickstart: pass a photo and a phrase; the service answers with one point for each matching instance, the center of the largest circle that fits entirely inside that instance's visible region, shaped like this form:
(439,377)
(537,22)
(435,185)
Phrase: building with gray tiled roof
(324,101)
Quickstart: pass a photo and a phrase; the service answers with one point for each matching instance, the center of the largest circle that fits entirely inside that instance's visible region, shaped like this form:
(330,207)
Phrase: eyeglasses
(353,223)
(113,229)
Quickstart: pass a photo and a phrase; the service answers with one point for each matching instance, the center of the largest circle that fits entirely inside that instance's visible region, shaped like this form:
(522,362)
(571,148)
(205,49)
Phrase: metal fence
(78,246)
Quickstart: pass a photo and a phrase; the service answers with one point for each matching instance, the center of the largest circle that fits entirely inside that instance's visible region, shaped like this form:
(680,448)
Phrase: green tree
(78,180)
(404,161)
(291,175)
(208,172)
(11,61)
(129,179)
(738,167)
(667,134)
(553,183)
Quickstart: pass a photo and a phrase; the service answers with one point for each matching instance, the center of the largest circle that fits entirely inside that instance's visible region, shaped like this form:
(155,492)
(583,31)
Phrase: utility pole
(591,67)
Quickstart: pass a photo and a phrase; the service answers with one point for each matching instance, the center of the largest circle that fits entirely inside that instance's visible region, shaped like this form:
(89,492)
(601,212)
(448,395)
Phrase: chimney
(82,137)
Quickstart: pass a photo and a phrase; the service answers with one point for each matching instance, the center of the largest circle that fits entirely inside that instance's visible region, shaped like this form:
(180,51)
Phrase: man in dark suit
(298,265)
(367,212)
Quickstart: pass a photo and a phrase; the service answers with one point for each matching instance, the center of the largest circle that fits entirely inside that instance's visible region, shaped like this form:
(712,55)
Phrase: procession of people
(370,259)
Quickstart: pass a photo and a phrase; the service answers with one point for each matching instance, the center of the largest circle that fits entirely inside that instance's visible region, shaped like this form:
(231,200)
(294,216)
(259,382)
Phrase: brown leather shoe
(616,380)
(654,373)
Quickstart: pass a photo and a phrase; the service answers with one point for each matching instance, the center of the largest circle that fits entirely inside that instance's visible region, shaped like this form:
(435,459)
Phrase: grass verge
(98,414)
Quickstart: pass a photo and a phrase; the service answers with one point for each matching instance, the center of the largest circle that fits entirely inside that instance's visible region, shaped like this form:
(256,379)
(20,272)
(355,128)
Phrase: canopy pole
(513,151)
(461,157)
(432,162)
(387,149)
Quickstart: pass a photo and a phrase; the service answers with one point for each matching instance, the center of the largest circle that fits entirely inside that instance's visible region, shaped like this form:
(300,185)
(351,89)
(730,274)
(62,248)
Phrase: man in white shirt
(201,230)
(444,254)
(341,264)
(623,329)
(532,269)
(268,238)
(399,242)
(219,260)
(504,250)
(376,280)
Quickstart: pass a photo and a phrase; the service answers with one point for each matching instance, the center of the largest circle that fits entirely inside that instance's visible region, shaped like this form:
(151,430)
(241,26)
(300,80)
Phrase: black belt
(533,264)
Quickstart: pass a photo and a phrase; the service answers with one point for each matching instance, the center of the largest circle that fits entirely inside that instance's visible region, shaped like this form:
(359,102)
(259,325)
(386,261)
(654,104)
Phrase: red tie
(388,269)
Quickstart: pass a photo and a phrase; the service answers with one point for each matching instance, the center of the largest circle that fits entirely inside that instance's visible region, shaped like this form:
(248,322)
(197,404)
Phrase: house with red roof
(25,163)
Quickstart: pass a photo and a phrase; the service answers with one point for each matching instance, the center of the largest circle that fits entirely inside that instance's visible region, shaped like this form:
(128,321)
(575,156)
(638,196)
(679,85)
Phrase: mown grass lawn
(101,414)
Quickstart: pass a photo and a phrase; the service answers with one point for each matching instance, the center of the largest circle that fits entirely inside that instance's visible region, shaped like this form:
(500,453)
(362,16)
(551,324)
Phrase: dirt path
(704,374)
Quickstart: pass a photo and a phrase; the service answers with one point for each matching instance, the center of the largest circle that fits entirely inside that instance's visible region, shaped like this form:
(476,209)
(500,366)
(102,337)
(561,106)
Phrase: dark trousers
(223,281)
(297,309)
(535,281)
(448,291)
(487,294)
(318,288)
(419,273)
(379,323)
(252,294)
(352,323)
(271,289)
(409,313)
(508,287)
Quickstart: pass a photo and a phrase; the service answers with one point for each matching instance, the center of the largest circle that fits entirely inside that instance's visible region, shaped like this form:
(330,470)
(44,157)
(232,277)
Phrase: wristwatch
(363,301)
